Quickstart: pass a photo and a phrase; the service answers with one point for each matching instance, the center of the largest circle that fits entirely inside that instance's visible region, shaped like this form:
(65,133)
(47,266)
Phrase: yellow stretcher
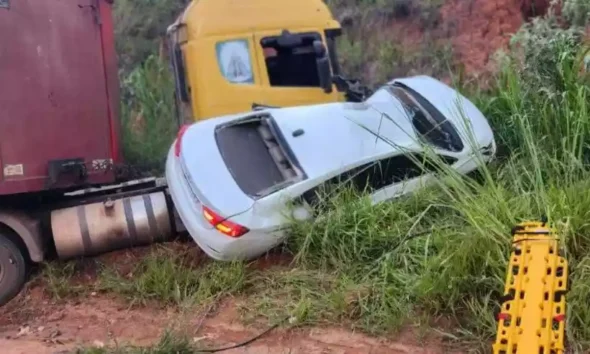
(532,317)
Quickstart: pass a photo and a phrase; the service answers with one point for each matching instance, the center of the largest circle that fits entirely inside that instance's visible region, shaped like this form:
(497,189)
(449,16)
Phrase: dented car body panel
(293,151)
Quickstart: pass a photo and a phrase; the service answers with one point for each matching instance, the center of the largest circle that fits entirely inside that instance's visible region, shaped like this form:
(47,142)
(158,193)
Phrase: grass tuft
(168,344)
(170,279)
(58,279)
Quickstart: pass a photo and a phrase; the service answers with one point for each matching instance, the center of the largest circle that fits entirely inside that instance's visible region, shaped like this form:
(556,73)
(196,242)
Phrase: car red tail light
(181,132)
(224,226)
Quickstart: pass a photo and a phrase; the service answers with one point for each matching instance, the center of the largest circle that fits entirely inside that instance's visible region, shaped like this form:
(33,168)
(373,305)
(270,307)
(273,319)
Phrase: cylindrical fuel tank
(91,229)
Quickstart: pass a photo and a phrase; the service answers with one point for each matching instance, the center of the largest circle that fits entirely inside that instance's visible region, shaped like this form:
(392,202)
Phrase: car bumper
(215,244)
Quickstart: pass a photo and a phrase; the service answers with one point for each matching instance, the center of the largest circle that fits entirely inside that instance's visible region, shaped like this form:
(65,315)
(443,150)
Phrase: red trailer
(58,94)
(59,132)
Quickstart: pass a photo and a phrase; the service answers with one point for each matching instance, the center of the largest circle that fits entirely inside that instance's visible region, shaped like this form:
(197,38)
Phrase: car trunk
(211,184)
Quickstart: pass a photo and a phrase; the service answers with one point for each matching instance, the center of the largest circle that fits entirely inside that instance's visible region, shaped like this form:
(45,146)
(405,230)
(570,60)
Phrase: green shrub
(540,48)
(148,115)
(577,12)
(427,10)
(428,58)
(541,93)
(368,50)
(140,26)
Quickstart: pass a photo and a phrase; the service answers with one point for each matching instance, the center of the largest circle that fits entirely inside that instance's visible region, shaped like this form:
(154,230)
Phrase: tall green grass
(358,263)
(456,269)
(140,28)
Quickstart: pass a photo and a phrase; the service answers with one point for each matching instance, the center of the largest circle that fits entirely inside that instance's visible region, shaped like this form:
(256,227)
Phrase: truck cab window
(291,65)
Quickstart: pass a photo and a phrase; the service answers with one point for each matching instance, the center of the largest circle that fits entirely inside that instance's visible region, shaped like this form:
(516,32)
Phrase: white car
(232,178)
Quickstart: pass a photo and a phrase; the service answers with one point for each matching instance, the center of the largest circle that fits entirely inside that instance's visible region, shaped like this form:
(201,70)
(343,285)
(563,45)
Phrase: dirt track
(34,325)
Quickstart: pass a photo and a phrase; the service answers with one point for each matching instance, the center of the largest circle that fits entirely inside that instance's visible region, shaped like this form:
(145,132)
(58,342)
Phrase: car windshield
(430,124)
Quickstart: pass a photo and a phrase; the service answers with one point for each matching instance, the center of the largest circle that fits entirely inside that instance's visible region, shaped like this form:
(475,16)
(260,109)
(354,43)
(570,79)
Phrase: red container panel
(58,94)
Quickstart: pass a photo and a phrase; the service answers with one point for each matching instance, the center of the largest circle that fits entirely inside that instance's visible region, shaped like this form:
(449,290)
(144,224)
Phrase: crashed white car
(232,178)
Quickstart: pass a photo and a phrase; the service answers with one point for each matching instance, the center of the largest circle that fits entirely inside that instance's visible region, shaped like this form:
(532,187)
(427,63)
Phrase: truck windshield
(294,64)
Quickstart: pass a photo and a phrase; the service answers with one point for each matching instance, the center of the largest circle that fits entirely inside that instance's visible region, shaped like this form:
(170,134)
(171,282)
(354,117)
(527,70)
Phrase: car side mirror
(323,66)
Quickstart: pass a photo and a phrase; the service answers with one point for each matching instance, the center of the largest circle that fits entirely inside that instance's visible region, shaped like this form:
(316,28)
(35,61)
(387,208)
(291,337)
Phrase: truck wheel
(12,270)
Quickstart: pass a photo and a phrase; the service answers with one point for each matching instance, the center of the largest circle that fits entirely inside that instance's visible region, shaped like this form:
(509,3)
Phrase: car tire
(13,269)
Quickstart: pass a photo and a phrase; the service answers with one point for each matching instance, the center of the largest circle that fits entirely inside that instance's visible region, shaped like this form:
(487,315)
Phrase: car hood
(335,135)
(464,115)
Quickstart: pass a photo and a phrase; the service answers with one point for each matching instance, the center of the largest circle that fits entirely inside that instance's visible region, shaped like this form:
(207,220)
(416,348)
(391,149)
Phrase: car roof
(340,135)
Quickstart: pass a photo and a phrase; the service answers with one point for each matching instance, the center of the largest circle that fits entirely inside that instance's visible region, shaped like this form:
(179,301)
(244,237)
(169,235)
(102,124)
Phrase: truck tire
(12,269)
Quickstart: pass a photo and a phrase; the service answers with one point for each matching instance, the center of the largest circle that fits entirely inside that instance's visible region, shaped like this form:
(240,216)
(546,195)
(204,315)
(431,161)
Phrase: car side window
(371,177)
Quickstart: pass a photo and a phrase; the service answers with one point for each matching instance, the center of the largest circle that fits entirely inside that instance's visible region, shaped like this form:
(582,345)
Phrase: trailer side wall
(58,95)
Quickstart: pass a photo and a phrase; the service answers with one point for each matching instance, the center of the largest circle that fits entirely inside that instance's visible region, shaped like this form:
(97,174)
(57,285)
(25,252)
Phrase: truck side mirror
(178,65)
(323,66)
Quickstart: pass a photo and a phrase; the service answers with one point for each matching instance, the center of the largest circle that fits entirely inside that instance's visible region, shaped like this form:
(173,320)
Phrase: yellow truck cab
(231,56)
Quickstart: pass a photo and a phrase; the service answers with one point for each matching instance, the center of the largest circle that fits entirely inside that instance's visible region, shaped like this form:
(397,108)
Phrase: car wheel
(12,270)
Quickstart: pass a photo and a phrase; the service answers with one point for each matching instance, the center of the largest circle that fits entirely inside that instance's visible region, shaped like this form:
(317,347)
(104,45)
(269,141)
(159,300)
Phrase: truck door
(54,106)
(288,70)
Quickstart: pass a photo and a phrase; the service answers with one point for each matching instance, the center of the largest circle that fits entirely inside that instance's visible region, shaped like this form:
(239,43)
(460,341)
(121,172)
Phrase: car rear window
(257,156)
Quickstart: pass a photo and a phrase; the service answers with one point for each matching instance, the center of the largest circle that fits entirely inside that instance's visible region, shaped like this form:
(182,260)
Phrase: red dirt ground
(104,321)
(479,28)
(476,29)
(33,323)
